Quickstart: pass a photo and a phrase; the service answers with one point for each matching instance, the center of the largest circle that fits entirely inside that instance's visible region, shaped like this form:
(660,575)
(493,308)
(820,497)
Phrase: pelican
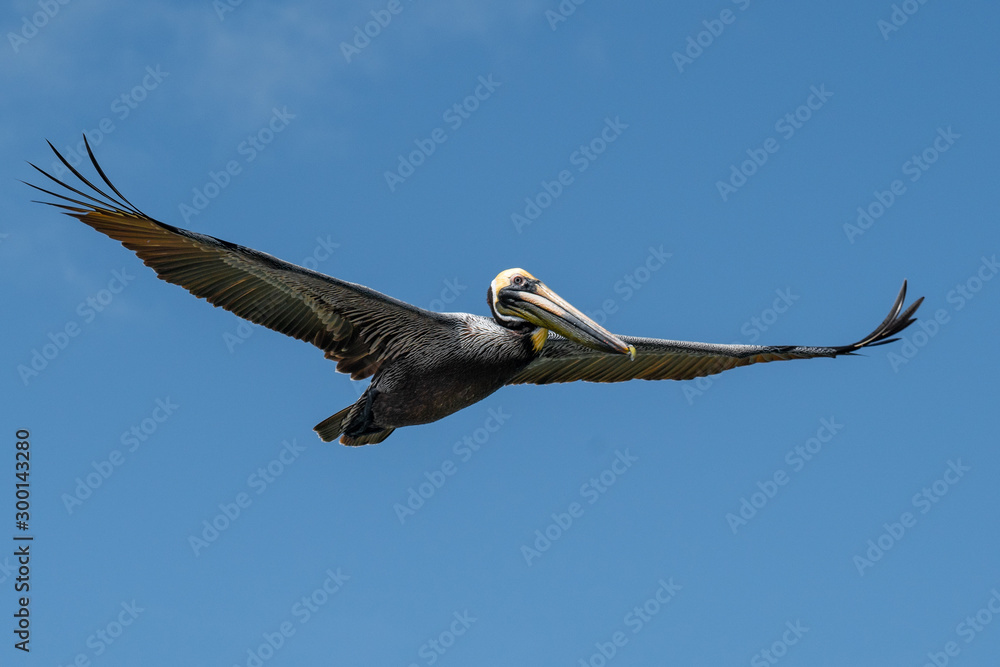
(424,365)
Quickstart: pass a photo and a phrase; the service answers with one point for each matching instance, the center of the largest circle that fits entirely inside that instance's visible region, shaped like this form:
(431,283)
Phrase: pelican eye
(517,280)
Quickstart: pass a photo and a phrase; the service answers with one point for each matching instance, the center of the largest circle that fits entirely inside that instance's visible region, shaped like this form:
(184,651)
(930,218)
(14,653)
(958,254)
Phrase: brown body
(423,386)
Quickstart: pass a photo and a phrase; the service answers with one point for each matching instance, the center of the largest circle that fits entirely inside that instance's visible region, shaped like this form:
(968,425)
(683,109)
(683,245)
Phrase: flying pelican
(424,365)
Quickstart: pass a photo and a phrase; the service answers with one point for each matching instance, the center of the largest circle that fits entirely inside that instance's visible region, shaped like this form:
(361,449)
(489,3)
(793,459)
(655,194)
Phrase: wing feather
(563,360)
(353,324)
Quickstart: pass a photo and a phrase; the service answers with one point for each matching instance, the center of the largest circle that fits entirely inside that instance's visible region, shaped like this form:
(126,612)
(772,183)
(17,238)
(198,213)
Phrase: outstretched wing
(356,326)
(563,360)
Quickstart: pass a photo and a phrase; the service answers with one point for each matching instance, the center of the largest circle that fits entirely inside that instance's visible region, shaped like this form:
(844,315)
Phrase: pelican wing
(563,360)
(356,326)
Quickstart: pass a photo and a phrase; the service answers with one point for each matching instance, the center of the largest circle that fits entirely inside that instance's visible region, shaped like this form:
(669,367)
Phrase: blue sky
(711,171)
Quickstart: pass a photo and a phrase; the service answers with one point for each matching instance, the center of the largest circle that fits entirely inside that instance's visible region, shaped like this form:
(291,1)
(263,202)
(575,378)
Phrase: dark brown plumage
(564,361)
(424,365)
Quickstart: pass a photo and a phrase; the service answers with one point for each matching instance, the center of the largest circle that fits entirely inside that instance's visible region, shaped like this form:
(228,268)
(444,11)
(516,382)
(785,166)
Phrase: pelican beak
(539,305)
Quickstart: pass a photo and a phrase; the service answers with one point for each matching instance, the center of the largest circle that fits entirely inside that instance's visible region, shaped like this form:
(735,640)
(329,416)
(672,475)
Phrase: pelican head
(521,301)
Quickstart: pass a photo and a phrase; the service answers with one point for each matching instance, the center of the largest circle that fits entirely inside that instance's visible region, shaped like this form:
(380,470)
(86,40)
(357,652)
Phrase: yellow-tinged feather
(538,339)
